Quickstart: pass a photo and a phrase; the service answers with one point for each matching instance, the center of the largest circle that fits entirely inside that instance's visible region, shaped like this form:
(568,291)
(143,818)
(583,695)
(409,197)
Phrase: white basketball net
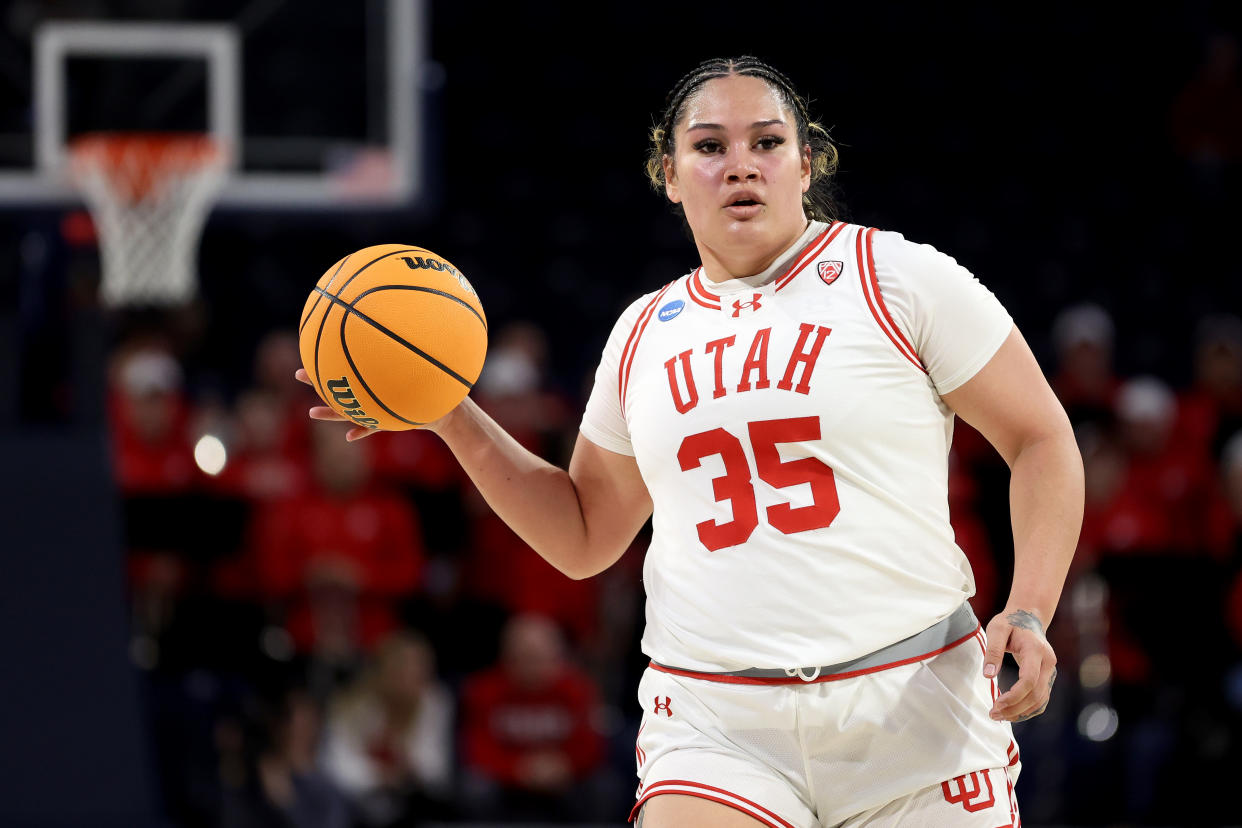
(149,196)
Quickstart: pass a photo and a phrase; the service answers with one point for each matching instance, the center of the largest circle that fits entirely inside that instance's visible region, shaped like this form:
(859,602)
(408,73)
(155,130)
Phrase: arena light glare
(210,455)
(1098,722)
(1095,670)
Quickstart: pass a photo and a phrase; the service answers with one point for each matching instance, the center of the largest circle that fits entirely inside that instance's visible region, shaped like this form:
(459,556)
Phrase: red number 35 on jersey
(735,485)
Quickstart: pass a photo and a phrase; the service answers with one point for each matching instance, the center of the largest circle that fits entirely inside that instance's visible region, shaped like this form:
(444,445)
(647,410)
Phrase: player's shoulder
(895,253)
(645,302)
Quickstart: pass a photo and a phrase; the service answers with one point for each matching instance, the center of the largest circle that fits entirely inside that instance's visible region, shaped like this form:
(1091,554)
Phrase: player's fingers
(1038,700)
(1041,696)
(358,433)
(998,639)
(301,376)
(1024,694)
(323,412)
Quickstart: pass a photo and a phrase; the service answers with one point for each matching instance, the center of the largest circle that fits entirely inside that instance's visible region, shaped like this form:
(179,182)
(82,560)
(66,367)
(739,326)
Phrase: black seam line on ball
(358,374)
(324,319)
(349,308)
(445,294)
(318,299)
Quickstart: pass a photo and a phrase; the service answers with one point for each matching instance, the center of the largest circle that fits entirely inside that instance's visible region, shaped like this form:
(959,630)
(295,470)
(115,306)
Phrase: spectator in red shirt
(339,557)
(1148,517)
(262,465)
(1211,409)
(153,460)
(275,359)
(529,742)
(1231,474)
(1084,382)
(505,571)
(150,419)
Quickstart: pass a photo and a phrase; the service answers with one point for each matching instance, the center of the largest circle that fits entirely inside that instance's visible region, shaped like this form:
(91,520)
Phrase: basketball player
(786,411)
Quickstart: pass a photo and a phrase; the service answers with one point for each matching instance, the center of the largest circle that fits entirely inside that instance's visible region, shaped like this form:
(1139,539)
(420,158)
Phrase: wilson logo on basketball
(343,395)
(829,271)
(419,263)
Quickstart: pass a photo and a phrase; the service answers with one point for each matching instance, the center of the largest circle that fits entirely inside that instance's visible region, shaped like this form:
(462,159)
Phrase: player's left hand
(1021,633)
(323,412)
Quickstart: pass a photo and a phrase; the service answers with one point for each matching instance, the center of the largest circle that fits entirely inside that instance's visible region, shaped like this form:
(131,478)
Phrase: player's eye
(770,142)
(708,145)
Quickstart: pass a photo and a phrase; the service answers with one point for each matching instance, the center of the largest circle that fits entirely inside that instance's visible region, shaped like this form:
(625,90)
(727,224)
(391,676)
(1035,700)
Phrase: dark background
(1062,152)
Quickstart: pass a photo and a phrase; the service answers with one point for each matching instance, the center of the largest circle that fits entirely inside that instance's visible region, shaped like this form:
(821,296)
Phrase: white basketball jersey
(790,430)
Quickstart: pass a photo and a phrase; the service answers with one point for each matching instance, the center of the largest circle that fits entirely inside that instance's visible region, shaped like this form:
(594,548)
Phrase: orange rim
(137,163)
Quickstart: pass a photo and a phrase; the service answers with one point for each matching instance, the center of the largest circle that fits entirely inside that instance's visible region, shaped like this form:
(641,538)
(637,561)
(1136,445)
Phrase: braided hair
(819,201)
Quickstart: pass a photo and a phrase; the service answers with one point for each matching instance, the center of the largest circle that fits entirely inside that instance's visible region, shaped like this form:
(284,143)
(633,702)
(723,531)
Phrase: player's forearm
(1046,503)
(534,497)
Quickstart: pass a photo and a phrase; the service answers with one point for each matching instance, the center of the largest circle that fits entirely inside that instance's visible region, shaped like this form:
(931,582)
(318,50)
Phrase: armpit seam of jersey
(869,279)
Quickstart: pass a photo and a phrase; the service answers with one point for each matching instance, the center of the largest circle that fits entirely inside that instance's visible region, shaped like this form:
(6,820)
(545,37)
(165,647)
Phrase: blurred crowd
(341,634)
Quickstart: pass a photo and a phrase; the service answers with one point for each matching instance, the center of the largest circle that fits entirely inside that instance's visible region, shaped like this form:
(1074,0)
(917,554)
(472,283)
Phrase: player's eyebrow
(755,125)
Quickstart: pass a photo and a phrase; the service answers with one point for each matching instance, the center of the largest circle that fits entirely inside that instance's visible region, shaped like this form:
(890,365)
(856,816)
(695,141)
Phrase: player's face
(736,168)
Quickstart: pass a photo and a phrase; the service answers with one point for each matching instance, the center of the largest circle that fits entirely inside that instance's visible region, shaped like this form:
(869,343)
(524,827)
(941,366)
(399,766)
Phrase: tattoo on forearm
(1026,620)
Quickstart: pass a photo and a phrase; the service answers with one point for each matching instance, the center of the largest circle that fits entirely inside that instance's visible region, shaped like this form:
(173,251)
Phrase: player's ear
(671,188)
(806,168)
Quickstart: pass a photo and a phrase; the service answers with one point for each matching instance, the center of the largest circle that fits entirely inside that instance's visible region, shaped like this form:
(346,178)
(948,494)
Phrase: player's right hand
(323,412)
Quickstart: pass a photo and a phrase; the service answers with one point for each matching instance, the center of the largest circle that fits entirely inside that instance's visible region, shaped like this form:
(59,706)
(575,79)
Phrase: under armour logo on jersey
(829,271)
(752,305)
(969,791)
(665,707)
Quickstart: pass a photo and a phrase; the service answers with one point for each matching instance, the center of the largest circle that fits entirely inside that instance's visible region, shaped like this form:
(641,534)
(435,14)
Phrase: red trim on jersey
(631,345)
(875,300)
(699,293)
(698,789)
(812,252)
(717,677)
(983,646)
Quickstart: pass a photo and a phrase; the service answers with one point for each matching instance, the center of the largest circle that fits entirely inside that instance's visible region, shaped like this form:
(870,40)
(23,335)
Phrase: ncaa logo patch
(671,310)
(830,270)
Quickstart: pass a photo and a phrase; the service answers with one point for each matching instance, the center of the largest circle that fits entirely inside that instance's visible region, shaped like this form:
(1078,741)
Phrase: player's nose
(742,166)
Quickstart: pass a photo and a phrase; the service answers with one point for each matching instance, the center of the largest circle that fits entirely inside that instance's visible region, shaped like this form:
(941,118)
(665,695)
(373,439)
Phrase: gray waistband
(960,624)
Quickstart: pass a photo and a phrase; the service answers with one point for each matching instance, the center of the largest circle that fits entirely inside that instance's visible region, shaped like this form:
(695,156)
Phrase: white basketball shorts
(909,744)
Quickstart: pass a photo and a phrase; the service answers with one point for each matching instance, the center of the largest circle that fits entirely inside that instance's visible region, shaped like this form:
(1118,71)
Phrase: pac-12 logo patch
(671,310)
(830,270)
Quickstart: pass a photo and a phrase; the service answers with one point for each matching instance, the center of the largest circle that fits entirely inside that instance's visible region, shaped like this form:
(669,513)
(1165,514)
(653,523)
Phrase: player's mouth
(743,205)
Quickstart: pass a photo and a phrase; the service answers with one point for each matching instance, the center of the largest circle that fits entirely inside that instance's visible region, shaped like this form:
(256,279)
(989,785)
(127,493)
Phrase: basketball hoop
(149,194)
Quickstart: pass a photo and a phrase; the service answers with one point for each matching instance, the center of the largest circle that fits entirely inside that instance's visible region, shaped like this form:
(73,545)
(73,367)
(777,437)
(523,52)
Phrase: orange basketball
(393,337)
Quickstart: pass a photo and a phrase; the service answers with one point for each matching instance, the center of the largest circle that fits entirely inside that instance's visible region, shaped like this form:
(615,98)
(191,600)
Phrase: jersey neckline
(783,266)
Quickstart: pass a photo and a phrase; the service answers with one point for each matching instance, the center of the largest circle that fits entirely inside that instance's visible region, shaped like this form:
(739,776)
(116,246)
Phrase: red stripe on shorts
(698,789)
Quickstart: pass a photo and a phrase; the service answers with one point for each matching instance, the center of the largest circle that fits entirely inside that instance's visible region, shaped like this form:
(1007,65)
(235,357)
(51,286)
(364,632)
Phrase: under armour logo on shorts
(752,305)
(665,707)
